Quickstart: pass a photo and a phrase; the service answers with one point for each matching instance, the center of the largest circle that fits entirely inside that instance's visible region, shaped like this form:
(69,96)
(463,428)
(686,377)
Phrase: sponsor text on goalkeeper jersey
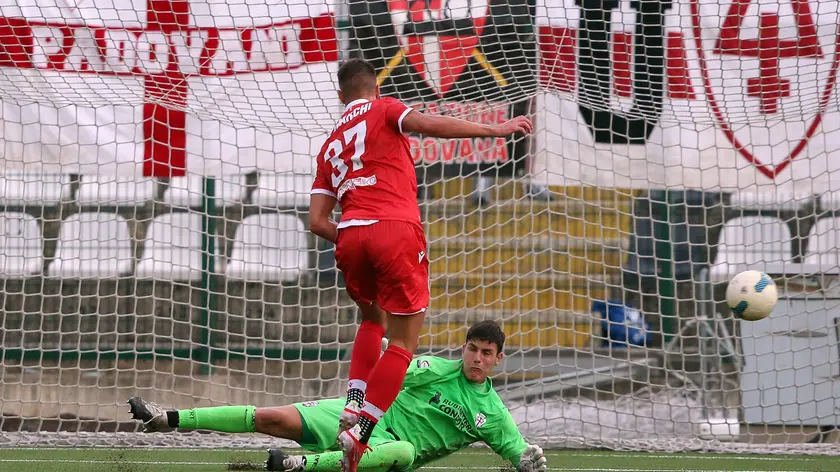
(439,411)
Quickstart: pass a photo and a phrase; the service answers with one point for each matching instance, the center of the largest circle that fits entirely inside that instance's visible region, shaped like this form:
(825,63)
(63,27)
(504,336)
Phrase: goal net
(157,159)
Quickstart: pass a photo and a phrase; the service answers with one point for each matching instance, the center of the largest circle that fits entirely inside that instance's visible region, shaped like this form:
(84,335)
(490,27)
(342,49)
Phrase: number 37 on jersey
(366,165)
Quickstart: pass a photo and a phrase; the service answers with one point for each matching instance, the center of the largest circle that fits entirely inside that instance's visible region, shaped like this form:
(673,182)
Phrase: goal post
(157,159)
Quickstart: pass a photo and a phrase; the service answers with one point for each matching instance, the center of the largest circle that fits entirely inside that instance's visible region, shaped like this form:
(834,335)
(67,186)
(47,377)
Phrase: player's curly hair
(487,330)
(356,77)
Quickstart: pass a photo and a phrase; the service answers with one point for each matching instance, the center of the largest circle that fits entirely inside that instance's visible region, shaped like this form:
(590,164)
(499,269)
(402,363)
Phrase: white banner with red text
(160,86)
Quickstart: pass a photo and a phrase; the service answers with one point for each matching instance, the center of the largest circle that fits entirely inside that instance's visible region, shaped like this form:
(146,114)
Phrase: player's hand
(519,124)
(533,460)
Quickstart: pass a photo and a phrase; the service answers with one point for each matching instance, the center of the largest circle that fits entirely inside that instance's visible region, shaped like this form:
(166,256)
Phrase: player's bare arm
(320,223)
(448,127)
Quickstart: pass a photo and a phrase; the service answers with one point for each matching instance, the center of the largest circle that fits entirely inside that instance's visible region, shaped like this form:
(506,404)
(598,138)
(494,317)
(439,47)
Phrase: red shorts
(386,263)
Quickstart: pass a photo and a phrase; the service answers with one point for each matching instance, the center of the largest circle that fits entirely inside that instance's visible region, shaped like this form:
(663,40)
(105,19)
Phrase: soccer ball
(752,295)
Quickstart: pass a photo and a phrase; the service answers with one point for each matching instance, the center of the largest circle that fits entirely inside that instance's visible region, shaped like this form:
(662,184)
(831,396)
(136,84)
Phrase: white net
(158,156)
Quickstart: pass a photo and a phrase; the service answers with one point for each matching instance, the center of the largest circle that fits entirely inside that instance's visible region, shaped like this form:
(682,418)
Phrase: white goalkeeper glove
(532,460)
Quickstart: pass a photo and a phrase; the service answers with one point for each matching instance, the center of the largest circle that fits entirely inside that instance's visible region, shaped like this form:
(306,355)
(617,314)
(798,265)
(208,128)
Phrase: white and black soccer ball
(752,295)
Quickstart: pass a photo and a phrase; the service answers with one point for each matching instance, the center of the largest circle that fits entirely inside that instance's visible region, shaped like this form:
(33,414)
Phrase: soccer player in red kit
(365,166)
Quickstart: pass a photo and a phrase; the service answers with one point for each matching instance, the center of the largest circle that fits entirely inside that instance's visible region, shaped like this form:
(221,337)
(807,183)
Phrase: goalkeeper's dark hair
(356,77)
(487,330)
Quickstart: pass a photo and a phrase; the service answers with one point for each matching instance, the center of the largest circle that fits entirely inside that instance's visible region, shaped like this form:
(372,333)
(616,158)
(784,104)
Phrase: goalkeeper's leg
(282,422)
(382,457)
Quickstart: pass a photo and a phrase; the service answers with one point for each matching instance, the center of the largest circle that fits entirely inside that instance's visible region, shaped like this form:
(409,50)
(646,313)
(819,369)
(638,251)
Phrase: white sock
(373,411)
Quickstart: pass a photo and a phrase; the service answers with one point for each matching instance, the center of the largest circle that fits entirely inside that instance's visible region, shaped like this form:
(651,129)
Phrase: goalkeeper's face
(480,358)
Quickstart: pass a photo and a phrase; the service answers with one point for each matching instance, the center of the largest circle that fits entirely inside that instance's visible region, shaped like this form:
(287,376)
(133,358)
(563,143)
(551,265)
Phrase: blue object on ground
(622,324)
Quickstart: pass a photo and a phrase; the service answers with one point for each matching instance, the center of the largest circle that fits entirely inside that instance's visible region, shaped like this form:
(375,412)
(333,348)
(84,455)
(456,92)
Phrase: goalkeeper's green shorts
(319,420)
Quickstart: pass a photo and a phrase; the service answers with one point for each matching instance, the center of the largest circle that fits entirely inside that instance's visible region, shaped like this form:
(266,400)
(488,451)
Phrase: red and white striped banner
(749,97)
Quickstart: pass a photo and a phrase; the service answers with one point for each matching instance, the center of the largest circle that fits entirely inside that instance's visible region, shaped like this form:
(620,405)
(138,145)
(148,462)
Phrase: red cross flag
(165,85)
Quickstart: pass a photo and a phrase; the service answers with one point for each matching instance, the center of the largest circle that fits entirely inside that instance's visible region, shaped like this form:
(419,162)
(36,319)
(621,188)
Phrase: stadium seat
(824,246)
(173,248)
(93,245)
(188,191)
(33,188)
(284,190)
(769,200)
(270,248)
(110,190)
(21,246)
(830,200)
(750,242)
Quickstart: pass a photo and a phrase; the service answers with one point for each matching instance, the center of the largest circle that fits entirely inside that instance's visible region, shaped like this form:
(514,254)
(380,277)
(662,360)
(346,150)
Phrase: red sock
(385,383)
(365,355)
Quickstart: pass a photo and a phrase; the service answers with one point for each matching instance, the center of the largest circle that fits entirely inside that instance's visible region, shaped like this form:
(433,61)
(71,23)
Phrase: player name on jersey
(357,112)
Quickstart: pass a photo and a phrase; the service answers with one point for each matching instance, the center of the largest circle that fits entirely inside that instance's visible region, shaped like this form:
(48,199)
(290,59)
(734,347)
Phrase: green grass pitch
(219,460)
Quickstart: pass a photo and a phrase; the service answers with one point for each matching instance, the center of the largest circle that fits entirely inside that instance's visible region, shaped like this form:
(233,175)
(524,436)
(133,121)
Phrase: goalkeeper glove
(532,460)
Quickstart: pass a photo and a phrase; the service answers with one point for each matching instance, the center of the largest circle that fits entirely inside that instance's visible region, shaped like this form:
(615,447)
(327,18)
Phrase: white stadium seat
(750,242)
(769,200)
(33,188)
(830,200)
(21,246)
(270,248)
(188,191)
(173,248)
(110,190)
(284,190)
(93,245)
(823,251)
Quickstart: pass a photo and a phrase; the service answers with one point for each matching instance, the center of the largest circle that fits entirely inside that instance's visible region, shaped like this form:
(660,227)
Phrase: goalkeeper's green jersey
(439,411)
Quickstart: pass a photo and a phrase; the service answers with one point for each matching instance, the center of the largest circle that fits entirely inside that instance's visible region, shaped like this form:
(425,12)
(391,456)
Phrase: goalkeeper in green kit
(444,405)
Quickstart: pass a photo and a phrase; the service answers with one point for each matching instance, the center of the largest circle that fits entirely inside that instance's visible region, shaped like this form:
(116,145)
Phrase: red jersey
(366,165)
